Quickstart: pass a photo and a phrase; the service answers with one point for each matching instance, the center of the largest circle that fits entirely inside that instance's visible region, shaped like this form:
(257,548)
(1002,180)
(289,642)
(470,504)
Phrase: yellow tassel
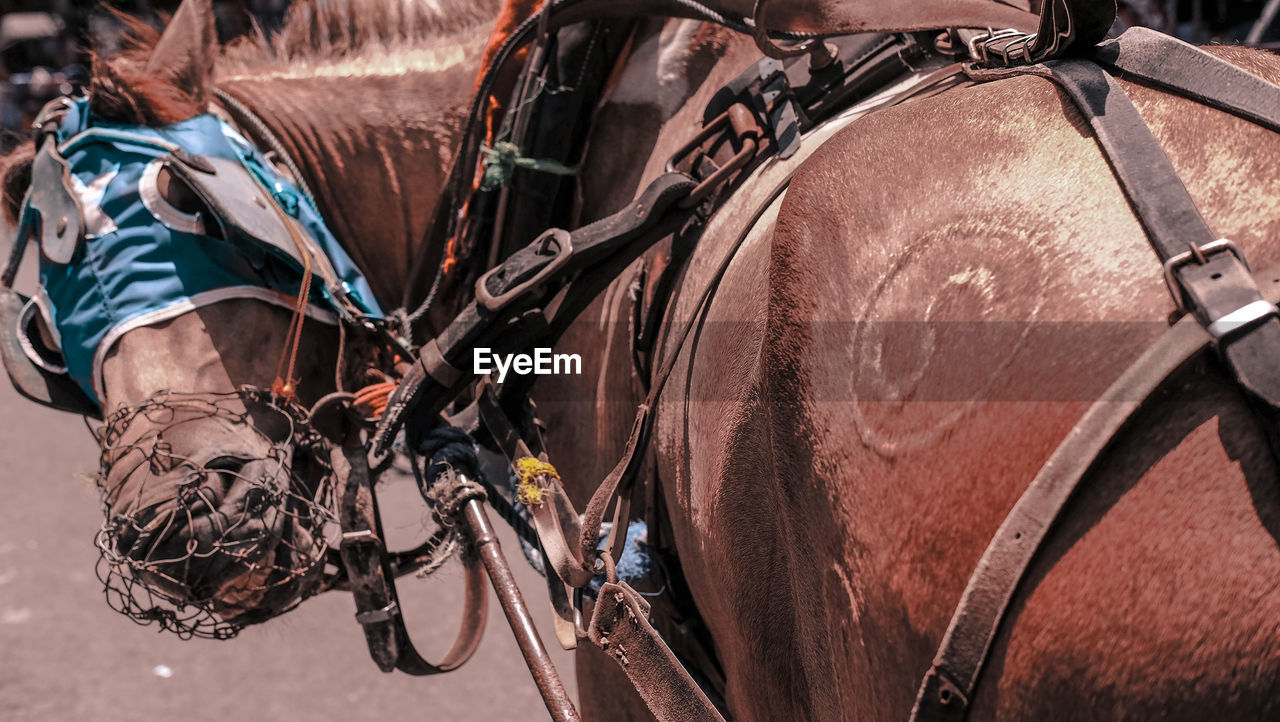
(528,471)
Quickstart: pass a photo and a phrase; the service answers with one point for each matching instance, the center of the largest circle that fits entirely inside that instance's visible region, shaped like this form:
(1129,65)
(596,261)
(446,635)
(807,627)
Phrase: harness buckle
(1010,46)
(1199,255)
(527,269)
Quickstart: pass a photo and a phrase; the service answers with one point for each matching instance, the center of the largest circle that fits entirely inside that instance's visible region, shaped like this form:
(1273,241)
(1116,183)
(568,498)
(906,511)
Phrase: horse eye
(177,193)
(173,202)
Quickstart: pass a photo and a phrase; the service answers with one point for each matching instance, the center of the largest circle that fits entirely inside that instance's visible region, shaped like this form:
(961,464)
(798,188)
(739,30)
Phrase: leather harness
(1209,280)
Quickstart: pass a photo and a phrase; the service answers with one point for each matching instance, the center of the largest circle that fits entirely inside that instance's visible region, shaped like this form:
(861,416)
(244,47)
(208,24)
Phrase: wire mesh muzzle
(218,510)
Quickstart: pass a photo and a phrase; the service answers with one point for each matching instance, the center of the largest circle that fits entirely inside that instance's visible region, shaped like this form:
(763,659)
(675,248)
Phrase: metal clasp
(1011,46)
(555,242)
(1200,255)
(746,130)
(362,537)
(377,616)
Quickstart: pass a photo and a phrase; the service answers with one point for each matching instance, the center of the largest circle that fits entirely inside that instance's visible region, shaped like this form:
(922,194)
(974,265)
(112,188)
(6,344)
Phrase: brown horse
(870,391)
(367,98)
(827,504)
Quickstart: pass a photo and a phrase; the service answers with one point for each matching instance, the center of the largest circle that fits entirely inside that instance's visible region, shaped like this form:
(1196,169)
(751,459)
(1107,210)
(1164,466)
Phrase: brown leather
(620,627)
(373,585)
(949,685)
(836,17)
(1214,288)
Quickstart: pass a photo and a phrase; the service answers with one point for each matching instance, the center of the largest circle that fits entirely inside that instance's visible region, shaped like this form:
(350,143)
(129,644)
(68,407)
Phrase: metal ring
(1198,254)
(377,616)
(823,53)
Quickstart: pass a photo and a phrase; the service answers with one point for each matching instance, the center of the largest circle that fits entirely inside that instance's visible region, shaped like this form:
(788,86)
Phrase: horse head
(201,302)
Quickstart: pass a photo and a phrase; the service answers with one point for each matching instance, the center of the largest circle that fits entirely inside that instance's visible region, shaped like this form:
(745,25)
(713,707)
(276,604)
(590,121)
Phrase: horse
(825,494)
(869,390)
(176,423)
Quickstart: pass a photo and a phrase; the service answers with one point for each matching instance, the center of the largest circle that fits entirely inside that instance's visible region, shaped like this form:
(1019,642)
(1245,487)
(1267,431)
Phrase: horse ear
(186,51)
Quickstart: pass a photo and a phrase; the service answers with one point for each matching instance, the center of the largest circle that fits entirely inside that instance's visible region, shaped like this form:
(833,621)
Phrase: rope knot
(503,158)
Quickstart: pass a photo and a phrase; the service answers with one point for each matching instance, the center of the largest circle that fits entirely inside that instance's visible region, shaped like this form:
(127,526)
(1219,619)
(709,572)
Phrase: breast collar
(116,256)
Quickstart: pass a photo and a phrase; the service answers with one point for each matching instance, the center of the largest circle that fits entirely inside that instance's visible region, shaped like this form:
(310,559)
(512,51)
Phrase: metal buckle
(746,129)
(1242,319)
(378,616)
(362,537)
(1200,255)
(1012,46)
(564,251)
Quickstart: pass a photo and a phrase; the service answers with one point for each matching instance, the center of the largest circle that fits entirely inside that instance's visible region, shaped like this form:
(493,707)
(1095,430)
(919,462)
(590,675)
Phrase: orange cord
(286,385)
(375,397)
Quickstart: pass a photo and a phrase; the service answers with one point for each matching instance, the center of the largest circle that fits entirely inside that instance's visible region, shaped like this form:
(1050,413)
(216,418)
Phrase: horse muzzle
(207,544)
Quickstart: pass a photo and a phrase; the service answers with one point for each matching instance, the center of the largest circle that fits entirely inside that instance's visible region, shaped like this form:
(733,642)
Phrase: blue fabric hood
(132,269)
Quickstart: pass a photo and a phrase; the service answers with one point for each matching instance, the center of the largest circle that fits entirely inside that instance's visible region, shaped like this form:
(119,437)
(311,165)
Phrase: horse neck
(375,146)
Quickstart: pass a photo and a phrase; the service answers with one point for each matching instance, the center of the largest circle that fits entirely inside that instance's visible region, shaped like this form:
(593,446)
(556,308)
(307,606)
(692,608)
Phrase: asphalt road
(64,655)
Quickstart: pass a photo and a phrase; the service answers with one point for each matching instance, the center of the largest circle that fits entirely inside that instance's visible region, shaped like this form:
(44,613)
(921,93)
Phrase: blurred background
(44,44)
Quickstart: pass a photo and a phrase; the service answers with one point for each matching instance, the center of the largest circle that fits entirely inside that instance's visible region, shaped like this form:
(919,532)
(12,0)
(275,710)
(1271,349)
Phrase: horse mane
(316,34)
(326,32)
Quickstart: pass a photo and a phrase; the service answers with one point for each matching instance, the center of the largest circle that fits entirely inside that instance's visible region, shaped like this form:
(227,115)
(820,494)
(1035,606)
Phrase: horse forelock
(126,89)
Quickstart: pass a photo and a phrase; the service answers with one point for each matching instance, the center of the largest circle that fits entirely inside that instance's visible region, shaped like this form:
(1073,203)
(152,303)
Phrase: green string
(502,160)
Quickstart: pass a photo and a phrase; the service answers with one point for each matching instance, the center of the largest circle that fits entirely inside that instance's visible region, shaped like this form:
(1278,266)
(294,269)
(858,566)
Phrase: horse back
(945,288)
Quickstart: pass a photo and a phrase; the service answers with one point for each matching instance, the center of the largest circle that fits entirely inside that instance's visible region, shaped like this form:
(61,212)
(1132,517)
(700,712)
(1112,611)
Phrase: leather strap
(372,583)
(1065,27)
(1183,69)
(620,627)
(512,445)
(528,276)
(1213,285)
(1211,277)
